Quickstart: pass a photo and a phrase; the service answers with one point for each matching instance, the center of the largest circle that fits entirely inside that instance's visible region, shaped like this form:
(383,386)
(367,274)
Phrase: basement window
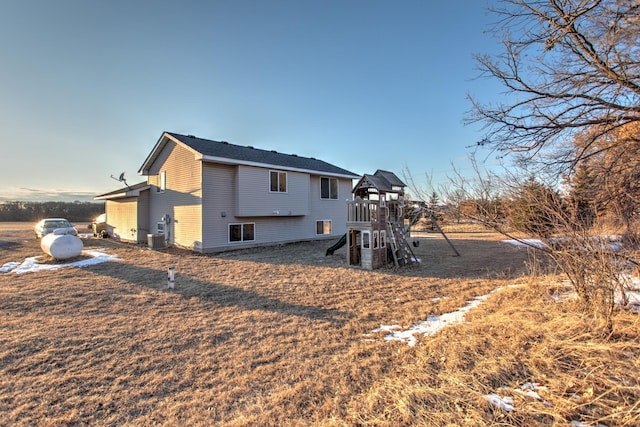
(242,232)
(323,227)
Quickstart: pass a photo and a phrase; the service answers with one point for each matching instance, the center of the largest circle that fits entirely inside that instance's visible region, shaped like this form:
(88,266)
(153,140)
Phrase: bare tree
(592,265)
(567,65)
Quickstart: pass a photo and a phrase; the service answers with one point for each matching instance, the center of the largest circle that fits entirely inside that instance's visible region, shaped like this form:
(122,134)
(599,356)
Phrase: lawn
(286,336)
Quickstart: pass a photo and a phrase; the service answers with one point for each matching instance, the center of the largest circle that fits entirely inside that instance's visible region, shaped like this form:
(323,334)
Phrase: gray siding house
(212,196)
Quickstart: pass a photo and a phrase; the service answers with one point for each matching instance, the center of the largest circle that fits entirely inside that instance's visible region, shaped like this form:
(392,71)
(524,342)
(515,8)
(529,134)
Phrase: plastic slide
(341,243)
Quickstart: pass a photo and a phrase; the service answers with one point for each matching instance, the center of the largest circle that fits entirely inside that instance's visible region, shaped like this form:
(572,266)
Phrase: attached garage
(128,213)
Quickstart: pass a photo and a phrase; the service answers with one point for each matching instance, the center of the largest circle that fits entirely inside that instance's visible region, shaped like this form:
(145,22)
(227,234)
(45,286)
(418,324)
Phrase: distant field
(28,226)
(283,336)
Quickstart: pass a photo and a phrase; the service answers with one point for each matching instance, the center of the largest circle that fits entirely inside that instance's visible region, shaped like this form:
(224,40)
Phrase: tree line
(34,211)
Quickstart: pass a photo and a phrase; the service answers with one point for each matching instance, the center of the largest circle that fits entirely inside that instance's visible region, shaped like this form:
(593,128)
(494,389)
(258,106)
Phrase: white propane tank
(61,246)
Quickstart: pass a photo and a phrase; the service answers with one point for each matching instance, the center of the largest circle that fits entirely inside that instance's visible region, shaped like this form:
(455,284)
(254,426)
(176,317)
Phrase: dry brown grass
(276,336)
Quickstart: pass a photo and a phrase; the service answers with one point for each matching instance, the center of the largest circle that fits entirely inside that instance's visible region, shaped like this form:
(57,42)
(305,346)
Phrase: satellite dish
(121,179)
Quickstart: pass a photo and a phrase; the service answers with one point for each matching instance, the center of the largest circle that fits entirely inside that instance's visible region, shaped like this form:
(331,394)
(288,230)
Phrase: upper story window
(328,188)
(277,181)
(162,182)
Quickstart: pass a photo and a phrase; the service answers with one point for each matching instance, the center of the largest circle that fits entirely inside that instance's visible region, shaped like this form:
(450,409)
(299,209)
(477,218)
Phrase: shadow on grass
(478,259)
(215,293)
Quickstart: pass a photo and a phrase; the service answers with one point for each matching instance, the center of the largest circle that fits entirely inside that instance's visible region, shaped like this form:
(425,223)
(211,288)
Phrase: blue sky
(88,87)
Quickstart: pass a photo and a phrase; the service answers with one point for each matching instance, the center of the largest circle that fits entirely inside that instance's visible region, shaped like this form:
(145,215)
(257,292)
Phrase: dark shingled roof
(382,180)
(390,177)
(124,191)
(255,155)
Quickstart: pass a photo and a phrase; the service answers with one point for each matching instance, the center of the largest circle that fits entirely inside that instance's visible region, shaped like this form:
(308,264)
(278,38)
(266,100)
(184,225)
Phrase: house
(212,196)
(376,231)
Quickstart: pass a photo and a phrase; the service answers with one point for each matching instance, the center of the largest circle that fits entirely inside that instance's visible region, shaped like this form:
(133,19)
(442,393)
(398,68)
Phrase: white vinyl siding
(219,204)
(182,198)
(255,198)
(122,217)
(239,194)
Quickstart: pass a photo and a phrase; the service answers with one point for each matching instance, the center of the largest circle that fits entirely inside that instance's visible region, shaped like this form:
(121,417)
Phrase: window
(277,182)
(375,240)
(373,209)
(323,227)
(162,182)
(328,188)
(241,232)
(366,240)
(383,238)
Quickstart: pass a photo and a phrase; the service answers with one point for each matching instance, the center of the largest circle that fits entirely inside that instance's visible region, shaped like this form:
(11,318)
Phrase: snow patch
(433,324)
(31,264)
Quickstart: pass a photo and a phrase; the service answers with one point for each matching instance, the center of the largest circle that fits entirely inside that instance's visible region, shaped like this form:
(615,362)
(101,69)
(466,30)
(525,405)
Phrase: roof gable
(383,181)
(224,152)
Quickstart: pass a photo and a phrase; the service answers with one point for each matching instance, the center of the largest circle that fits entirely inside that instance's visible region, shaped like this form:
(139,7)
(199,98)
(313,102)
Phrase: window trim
(328,178)
(242,239)
(324,223)
(366,239)
(383,239)
(162,181)
(376,239)
(278,173)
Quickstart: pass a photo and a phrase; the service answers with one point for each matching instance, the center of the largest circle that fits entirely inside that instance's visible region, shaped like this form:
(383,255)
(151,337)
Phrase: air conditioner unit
(156,241)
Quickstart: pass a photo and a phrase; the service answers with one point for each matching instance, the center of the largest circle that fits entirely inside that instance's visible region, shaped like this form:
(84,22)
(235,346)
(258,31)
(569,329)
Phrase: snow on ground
(433,324)
(526,242)
(505,403)
(612,242)
(31,264)
(503,400)
(429,327)
(631,283)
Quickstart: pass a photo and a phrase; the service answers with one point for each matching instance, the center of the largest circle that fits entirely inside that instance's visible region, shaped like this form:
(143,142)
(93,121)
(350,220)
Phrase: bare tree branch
(572,64)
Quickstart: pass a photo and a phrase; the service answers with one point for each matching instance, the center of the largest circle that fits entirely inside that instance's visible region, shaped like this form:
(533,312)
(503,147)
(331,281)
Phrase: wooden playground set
(376,231)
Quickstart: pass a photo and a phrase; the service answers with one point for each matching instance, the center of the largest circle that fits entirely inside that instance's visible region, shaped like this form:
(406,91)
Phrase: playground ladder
(400,248)
(394,244)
